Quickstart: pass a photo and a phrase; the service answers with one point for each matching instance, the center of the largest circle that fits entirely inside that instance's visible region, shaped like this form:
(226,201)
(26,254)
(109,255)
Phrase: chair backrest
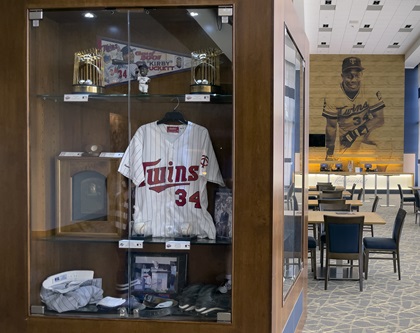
(398,225)
(322,187)
(344,234)
(400,191)
(375,203)
(353,188)
(292,234)
(360,194)
(417,198)
(295,203)
(331,194)
(333,205)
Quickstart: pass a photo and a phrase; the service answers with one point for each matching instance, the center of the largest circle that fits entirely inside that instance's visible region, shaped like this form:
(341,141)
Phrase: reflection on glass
(293,161)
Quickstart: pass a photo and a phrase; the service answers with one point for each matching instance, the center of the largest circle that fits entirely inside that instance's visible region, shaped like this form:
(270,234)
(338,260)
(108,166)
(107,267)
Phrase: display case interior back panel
(93,83)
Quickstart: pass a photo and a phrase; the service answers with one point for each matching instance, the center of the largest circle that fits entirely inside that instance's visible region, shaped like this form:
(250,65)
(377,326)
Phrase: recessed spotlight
(359,43)
(408,26)
(193,14)
(376,2)
(367,26)
(328,2)
(323,43)
(395,43)
(89,15)
(325,25)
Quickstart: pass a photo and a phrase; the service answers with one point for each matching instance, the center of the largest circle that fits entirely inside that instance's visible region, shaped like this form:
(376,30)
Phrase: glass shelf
(214,98)
(154,240)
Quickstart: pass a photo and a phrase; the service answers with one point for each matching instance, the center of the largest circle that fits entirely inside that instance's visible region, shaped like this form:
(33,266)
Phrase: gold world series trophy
(88,72)
(205,71)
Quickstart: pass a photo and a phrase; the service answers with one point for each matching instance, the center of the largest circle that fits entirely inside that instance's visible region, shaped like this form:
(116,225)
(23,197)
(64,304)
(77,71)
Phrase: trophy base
(82,88)
(204,89)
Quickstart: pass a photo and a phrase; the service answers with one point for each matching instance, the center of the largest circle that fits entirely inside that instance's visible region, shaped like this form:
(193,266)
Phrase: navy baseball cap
(125,50)
(352,63)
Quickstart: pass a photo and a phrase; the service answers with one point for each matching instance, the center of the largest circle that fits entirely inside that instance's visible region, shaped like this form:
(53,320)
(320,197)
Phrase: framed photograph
(159,273)
(91,197)
(223,213)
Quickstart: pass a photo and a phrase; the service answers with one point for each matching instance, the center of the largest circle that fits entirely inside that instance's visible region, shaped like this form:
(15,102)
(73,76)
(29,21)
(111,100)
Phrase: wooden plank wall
(384,73)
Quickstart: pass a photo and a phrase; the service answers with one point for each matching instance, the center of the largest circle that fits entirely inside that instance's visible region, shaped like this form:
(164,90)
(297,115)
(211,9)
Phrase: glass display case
(131,163)
(294,78)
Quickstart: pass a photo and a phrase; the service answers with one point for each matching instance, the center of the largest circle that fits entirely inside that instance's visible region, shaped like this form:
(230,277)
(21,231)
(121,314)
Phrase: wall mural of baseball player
(352,115)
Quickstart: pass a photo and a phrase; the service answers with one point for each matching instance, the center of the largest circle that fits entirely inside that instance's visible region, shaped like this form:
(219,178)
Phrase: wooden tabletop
(317,217)
(338,187)
(316,193)
(356,203)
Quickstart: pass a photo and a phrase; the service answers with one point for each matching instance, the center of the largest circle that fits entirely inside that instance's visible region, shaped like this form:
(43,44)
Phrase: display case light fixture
(89,15)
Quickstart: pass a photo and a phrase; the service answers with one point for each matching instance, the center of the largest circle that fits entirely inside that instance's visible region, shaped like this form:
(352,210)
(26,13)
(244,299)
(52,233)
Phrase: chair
(359,197)
(312,250)
(329,206)
(343,236)
(289,194)
(333,205)
(369,228)
(292,245)
(331,194)
(406,199)
(417,203)
(350,197)
(322,187)
(380,247)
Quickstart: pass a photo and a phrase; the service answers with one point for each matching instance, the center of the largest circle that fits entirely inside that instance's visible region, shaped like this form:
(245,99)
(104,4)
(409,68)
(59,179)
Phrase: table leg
(387,193)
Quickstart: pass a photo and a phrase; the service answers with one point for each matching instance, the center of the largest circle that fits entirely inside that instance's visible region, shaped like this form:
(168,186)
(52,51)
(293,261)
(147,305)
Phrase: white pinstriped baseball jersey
(171,165)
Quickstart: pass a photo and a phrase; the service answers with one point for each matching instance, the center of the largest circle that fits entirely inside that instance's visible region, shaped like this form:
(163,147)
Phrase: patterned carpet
(385,304)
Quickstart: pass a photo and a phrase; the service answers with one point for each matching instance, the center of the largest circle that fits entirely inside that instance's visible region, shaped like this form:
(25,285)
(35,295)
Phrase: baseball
(139,228)
(186,229)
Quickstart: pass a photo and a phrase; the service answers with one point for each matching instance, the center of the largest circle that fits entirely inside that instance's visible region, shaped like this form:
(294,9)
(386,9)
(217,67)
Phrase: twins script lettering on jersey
(161,178)
(355,109)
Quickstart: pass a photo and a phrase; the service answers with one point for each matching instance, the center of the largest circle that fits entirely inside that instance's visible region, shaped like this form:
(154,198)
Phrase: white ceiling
(363,27)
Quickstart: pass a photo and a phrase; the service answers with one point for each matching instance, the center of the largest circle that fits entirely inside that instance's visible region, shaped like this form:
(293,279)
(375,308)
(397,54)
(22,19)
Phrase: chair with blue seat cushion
(353,189)
(369,228)
(384,248)
(406,199)
(417,203)
(327,205)
(331,194)
(343,238)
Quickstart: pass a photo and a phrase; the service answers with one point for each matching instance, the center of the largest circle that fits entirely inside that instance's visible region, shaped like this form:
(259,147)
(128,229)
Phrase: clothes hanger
(173,117)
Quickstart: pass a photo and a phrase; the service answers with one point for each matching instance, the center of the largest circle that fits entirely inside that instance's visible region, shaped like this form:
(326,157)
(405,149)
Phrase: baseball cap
(126,49)
(352,63)
(67,281)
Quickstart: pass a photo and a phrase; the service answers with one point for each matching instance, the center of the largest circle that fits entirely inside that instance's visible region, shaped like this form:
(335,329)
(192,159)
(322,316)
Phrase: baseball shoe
(225,287)
(210,301)
(189,296)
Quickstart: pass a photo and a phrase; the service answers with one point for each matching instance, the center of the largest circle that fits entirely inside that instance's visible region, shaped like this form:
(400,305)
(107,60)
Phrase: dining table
(371,218)
(315,193)
(316,217)
(312,203)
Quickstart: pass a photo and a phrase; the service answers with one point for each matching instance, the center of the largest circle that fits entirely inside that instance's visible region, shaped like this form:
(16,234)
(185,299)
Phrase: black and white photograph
(159,273)
(223,213)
